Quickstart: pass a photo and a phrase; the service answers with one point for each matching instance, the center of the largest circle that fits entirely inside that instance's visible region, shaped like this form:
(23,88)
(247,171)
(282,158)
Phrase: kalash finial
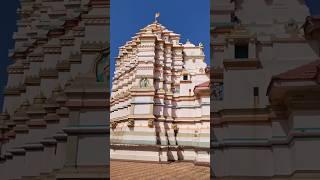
(156,16)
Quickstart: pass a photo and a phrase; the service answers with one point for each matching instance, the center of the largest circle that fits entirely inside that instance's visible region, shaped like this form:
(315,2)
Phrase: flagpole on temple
(156,16)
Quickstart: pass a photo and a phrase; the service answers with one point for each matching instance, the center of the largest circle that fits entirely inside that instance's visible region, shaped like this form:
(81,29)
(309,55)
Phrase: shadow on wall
(315,46)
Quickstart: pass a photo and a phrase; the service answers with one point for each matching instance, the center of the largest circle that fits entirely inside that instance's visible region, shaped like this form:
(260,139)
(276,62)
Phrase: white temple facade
(265,79)
(160,100)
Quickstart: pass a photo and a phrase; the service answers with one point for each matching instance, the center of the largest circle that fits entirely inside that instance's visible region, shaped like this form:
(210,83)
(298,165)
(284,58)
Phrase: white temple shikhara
(160,100)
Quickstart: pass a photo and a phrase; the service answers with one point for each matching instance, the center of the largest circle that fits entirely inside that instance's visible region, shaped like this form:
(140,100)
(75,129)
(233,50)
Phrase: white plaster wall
(142,109)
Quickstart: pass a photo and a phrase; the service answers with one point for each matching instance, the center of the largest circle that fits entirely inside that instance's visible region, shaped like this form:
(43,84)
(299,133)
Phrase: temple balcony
(312,28)
(241,50)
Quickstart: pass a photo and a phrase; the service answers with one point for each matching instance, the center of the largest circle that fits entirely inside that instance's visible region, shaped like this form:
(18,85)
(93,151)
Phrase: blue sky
(189,18)
(8,26)
(314,6)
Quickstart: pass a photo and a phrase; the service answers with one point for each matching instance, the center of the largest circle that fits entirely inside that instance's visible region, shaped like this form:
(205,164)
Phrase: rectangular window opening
(241,51)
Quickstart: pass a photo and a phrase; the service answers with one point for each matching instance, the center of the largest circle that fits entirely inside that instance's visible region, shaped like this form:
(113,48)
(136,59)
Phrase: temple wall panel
(305,119)
(31,92)
(61,154)
(253,159)
(76,69)
(77,44)
(92,31)
(142,109)
(47,85)
(145,72)
(243,131)
(15,79)
(218,59)
(63,77)
(143,99)
(186,89)
(249,16)
(35,68)
(99,156)
(294,52)
(11,103)
(87,62)
(305,154)
(282,160)
(50,60)
(146,56)
(244,97)
(93,117)
(186,112)
(288,9)
(65,53)
(205,110)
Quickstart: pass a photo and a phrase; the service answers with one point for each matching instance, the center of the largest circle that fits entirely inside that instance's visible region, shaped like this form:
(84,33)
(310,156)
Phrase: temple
(265,78)
(56,98)
(160,99)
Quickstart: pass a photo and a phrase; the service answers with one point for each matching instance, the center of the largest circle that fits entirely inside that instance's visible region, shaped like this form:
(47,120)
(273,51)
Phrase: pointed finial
(156,16)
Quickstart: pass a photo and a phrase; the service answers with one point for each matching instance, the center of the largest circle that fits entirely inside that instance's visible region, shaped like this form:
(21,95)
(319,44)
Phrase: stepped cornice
(48,73)
(14,90)
(63,66)
(93,46)
(20,114)
(32,80)
(16,68)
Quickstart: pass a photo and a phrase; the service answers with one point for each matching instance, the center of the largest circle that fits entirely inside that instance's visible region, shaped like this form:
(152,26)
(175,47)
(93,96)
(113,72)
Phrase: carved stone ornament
(130,123)
(174,127)
(114,124)
(150,123)
(144,83)
(292,27)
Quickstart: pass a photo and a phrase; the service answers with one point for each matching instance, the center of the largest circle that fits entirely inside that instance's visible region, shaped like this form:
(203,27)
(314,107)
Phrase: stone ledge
(87,129)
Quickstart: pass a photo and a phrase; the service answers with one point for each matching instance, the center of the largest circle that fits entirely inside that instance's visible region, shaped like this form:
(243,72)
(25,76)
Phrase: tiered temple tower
(56,100)
(265,77)
(160,101)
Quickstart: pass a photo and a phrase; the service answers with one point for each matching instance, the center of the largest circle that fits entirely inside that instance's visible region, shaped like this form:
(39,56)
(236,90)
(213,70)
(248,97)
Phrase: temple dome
(188,44)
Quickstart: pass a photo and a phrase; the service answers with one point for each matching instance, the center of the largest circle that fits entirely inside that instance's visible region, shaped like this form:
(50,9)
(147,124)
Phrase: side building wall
(251,135)
(55,104)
